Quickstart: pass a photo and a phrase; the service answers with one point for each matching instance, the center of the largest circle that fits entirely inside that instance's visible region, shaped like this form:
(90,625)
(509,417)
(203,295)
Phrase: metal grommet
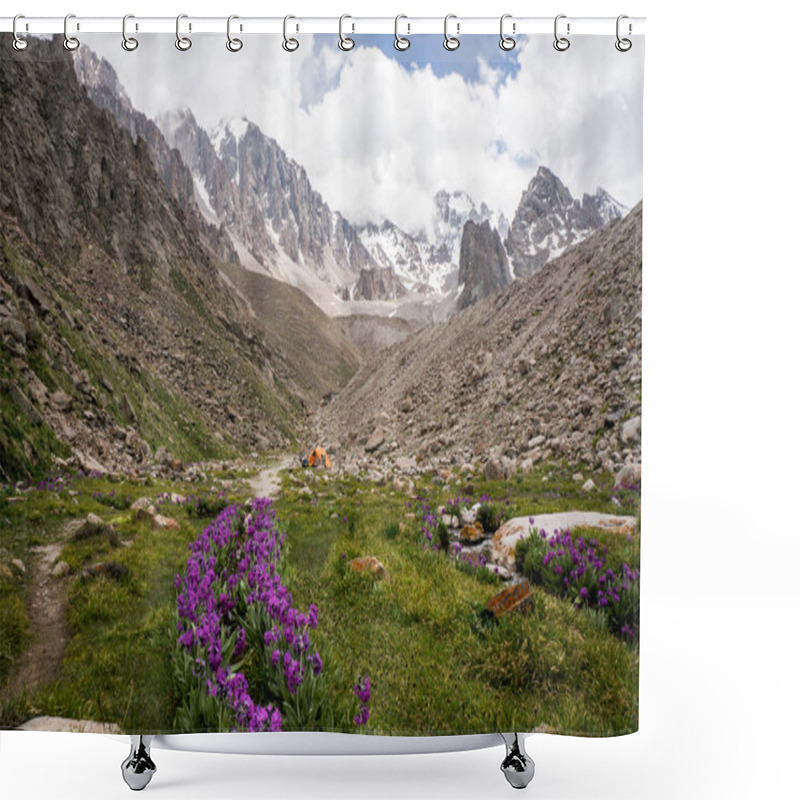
(233,44)
(183,43)
(561,43)
(451,42)
(506,42)
(623,45)
(345,42)
(128,42)
(70,42)
(289,44)
(400,42)
(18,42)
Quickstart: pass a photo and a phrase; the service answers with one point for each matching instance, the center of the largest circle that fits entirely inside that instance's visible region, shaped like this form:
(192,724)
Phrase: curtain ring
(345,42)
(18,42)
(623,45)
(128,42)
(507,42)
(70,42)
(289,45)
(400,42)
(450,42)
(183,43)
(561,43)
(233,44)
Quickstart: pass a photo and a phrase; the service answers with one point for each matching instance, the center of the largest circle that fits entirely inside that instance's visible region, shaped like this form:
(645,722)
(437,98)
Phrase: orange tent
(319,457)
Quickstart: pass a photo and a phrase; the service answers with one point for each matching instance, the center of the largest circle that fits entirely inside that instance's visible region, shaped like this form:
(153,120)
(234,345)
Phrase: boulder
(163,457)
(630,474)
(493,471)
(369,564)
(375,441)
(405,464)
(516,598)
(18,566)
(145,513)
(128,410)
(90,464)
(141,503)
(467,516)
(471,534)
(60,569)
(632,430)
(162,523)
(589,486)
(499,570)
(14,328)
(509,533)
(27,408)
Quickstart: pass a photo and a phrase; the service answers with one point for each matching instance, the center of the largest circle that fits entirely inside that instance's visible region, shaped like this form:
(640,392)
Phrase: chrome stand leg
(518,766)
(138,768)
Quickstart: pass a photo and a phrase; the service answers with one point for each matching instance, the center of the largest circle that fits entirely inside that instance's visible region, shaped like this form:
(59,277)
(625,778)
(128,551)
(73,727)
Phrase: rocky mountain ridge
(122,334)
(550,367)
(548,220)
(482,264)
(241,184)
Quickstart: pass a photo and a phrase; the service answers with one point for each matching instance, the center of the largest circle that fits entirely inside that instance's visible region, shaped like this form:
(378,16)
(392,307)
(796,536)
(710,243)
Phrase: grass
(437,663)
(117,667)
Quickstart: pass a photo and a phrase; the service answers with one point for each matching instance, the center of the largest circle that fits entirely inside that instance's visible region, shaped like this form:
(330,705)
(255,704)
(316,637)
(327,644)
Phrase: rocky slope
(103,87)
(482,264)
(548,220)
(427,261)
(549,367)
(267,203)
(120,334)
(379,283)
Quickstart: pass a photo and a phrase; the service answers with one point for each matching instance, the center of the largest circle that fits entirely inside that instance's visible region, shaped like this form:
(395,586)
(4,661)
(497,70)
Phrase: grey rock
(60,569)
(24,405)
(375,441)
(163,457)
(629,474)
(482,264)
(492,471)
(62,401)
(14,328)
(632,430)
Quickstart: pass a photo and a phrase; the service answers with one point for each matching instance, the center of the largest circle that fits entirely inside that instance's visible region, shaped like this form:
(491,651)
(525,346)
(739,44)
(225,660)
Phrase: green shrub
(490,515)
(391,530)
(443,537)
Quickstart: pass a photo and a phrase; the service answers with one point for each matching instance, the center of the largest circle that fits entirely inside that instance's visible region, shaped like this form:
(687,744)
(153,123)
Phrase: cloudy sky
(379,132)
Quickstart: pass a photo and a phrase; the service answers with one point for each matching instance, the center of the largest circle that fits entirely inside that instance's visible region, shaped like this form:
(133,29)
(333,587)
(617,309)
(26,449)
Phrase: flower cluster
(55,481)
(204,505)
(578,568)
(232,597)
(627,497)
(113,500)
(362,691)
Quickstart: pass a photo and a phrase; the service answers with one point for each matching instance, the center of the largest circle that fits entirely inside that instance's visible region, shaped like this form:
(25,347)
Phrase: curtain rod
(458,26)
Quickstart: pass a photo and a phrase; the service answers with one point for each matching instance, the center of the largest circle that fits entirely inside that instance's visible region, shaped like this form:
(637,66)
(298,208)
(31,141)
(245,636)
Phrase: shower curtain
(321,377)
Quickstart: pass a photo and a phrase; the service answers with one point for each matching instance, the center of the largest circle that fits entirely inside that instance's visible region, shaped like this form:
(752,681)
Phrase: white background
(720,609)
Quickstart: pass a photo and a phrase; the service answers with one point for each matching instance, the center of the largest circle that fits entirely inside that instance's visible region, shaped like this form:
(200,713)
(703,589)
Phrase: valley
(183,318)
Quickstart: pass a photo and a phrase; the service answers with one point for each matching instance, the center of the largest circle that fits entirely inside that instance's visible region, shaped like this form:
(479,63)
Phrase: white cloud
(378,140)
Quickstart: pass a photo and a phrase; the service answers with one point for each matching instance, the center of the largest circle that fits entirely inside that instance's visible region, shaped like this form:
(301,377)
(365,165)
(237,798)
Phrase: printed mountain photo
(321,387)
